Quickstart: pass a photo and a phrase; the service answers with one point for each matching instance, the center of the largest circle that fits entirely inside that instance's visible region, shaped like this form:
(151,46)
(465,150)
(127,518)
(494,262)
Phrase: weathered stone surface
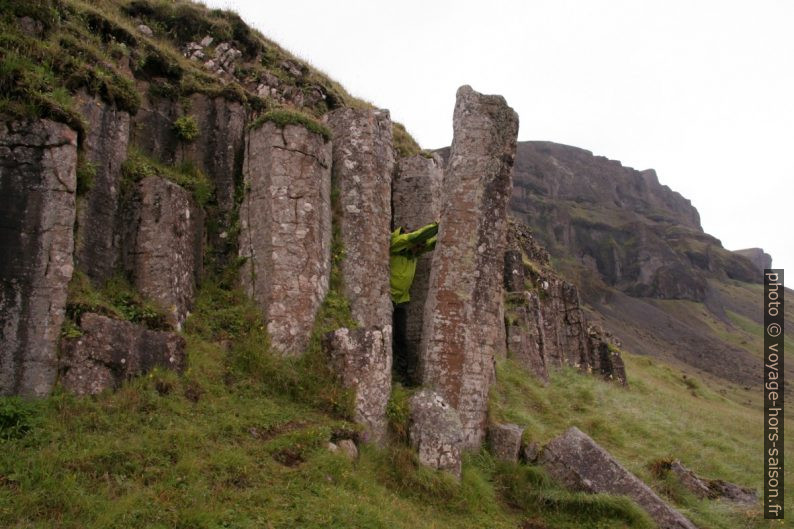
(545,324)
(579,463)
(38,162)
(505,441)
(164,245)
(363,163)
(219,147)
(710,488)
(757,256)
(436,432)
(416,202)
(361,359)
(530,452)
(112,351)
(285,232)
(105,146)
(217,150)
(604,357)
(464,311)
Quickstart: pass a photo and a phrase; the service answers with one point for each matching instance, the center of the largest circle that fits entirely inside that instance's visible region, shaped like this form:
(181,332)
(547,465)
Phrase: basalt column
(363,168)
(285,232)
(363,163)
(416,202)
(38,161)
(463,322)
(97,245)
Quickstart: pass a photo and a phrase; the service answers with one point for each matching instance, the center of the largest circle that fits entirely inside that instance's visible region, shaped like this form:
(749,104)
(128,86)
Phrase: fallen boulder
(576,461)
(436,432)
(709,488)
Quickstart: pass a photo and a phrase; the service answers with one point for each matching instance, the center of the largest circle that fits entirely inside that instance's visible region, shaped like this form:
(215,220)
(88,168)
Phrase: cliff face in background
(644,266)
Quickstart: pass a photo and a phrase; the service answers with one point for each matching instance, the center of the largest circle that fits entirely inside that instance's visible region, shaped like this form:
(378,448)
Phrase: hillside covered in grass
(238,437)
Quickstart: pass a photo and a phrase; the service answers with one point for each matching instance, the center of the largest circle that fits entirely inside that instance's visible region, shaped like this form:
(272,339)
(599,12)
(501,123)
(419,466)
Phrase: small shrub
(398,411)
(186,128)
(16,417)
(86,172)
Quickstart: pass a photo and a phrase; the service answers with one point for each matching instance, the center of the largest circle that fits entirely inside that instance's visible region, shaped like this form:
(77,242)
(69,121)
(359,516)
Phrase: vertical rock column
(286,229)
(166,241)
(464,327)
(362,170)
(96,247)
(416,202)
(363,163)
(38,161)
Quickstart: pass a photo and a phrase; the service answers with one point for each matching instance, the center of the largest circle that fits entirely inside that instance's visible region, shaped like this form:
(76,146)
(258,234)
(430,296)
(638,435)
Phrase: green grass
(138,166)
(664,413)
(284,117)
(117,298)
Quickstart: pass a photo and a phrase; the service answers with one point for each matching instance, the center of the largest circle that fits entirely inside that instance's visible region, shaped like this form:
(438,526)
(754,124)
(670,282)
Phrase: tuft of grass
(186,128)
(404,144)
(398,411)
(138,166)
(86,173)
(17,417)
(284,117)
(117,298)
(528,487)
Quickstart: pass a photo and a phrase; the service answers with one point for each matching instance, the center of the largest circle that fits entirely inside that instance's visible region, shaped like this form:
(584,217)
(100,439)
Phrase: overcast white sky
(702,91)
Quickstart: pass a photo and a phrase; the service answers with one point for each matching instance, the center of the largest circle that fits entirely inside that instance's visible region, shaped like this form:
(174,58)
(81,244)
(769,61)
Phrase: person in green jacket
(405,249)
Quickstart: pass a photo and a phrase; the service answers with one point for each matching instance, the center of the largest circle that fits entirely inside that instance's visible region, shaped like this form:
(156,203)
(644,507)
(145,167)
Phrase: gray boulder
(505,441)
(576,461)
(436,432)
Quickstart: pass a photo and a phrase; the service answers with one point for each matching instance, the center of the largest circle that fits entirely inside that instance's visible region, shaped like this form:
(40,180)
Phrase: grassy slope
(238,440)
(714,428)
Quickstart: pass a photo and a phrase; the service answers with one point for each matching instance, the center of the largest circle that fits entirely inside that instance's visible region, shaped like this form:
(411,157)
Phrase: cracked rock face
(579,463)
(361,359)
(165,246)
(286,229)
(363,163)
(217,149)
(435,431)
(112,351)
(464,312)
(545,324)
(416,202)
(38,161)
(105,146)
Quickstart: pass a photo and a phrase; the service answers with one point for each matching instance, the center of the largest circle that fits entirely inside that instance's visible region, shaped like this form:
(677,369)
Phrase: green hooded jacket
(405,250)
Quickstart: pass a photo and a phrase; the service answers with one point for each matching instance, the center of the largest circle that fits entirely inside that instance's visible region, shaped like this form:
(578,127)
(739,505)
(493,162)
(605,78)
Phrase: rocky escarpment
(757,256)
(546,325)
(636,234)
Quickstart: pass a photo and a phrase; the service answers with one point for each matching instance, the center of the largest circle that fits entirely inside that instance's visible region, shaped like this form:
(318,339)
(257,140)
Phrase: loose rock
(505,441)
(436,432)
(579,463)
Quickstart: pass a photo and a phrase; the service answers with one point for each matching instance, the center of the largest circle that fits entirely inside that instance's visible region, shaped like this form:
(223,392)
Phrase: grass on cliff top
(283,117)
(664,413)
